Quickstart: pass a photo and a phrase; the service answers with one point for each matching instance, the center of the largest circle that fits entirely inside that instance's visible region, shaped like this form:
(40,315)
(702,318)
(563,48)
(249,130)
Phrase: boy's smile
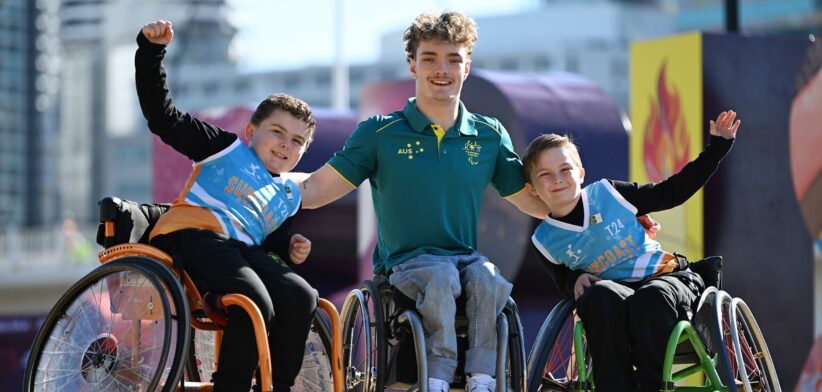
(279,141)
(557,180)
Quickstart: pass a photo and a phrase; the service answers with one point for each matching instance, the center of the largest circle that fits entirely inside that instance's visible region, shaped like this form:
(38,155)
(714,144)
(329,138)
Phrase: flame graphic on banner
(666,144)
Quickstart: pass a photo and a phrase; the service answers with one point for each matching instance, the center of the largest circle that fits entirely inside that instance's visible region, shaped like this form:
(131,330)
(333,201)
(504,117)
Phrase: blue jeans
(435,282)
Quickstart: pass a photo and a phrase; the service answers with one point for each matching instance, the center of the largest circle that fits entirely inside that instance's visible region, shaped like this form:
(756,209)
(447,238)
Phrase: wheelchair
(722,341)
(137,323)
(384,342)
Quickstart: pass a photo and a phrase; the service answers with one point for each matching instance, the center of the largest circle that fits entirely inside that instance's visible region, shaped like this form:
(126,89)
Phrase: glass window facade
(14,102)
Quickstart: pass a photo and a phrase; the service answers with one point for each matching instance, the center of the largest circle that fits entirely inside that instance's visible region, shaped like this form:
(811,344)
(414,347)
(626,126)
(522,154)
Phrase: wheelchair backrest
(710,270)
(132,221)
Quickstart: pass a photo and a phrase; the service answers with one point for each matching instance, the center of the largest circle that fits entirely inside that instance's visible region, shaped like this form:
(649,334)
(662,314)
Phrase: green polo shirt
(427,193)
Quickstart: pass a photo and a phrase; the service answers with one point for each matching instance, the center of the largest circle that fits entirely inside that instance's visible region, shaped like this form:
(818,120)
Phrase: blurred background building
(71,130)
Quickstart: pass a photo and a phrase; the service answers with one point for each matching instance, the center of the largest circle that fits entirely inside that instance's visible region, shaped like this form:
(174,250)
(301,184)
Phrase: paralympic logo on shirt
(472,150)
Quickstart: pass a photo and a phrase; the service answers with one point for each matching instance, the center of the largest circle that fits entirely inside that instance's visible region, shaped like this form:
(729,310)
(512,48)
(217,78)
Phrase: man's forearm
(321,187)
(529,204)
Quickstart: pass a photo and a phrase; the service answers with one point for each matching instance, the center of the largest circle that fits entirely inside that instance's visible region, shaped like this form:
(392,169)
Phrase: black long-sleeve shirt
(186,134)
(647,198)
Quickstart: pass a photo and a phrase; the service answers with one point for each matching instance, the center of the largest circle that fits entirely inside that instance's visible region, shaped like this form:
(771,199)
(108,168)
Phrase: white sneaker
(437,385)
(481,383)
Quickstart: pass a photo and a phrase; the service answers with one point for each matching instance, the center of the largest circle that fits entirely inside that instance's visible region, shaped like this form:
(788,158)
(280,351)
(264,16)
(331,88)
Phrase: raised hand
(299,248)
(159,32)
(725,125)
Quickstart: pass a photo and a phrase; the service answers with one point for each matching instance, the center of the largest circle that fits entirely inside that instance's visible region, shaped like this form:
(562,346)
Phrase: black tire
(551,365)
(87,339)
(364,352)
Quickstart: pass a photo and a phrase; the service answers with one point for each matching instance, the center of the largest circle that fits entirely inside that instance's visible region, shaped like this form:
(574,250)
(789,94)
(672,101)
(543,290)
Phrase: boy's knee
(263,302)
(301,299)
(308,298)
(601,292)
(648,306)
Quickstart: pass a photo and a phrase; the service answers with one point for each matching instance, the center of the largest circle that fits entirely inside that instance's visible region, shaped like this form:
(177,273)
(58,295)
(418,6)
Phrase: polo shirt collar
(419,122)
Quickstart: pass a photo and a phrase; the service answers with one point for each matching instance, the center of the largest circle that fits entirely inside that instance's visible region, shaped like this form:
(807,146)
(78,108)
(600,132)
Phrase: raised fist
(159,32)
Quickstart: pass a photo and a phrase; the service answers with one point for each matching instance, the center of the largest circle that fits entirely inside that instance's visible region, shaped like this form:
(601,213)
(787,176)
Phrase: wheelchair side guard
(684,332)
(502,352)
(259,332)
(336,342)
(511,314)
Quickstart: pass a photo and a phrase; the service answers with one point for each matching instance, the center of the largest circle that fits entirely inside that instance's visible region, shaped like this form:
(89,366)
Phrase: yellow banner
(666,113)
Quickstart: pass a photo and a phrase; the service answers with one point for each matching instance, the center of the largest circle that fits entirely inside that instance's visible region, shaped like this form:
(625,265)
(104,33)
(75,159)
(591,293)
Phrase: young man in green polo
(429,165)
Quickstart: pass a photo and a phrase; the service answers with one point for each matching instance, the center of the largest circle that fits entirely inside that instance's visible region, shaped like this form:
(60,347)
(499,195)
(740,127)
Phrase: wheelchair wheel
(201,362)
(713,329)
(117,329)
(516,349)
(315,373)
(754,364)
(551,364)
(364,353)
(180,315)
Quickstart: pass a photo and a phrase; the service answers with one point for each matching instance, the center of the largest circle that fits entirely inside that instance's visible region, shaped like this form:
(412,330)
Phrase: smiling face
(440,68)
(279,140)
(556,178)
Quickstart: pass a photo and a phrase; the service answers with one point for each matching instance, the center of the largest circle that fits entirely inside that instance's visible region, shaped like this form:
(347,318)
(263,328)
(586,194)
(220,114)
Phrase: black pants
(286,301)
(628,325)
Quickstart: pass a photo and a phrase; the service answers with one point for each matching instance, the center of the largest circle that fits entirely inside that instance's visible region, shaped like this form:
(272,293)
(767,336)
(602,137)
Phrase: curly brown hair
(546,142)
(451,27)
(295,106)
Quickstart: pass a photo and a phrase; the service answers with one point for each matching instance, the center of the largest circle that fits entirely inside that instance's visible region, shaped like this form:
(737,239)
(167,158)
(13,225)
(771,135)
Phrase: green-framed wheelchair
(384,342)
(137,323)
(722,341)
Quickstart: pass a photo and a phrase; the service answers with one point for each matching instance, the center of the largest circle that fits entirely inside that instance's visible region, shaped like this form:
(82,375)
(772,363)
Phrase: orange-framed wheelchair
(136,323)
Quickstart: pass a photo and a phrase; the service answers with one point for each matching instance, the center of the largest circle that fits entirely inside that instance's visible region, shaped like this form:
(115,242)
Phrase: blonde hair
(451,27)
(546,142)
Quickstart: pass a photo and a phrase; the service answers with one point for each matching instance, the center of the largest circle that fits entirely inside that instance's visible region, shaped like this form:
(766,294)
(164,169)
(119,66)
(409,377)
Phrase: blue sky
(279,34)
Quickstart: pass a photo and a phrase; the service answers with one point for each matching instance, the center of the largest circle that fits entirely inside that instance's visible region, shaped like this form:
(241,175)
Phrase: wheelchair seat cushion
(132,221)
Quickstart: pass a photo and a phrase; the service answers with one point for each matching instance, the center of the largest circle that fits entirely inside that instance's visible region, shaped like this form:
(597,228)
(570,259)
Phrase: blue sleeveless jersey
(247,202)
(610,244)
